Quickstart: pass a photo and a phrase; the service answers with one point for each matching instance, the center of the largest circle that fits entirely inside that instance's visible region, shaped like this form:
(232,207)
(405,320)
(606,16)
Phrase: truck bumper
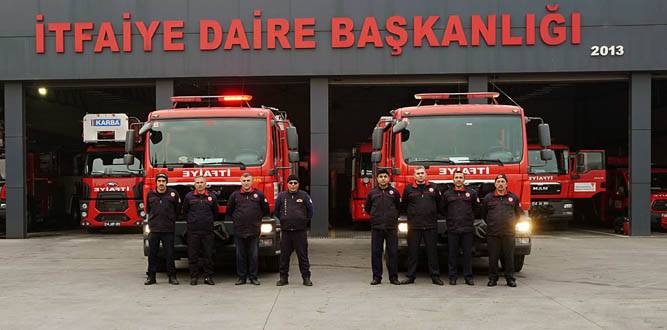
(659,220)
(94,218)
(269,243)
(522,246)
(551,210)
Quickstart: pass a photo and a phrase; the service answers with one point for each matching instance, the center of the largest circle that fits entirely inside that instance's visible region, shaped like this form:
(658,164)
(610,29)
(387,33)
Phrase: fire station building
(594,70)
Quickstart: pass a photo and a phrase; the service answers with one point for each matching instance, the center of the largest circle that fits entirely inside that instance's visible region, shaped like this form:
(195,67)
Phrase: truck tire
(518,263)
(270,264)
(161,265)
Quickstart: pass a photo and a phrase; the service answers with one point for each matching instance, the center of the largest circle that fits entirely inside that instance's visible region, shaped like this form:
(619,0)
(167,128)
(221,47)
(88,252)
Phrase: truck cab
(550,183)
(481,140)
(362,182)
(111,191)
(219,140)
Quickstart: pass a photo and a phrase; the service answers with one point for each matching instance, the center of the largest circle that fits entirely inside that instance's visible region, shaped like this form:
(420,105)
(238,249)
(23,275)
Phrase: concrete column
(15,153)
(164,89)
(640,154)
(319,155)
(478,83)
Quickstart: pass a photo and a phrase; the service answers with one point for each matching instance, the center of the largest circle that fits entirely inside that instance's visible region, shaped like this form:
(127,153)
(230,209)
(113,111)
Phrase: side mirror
(292,138)
(547,154)
(400,126)
(376,156)
(405,135)
(156,137)
(544,135)
(128,159)
(145,128)
(129,141)
(377,138)
(293,156)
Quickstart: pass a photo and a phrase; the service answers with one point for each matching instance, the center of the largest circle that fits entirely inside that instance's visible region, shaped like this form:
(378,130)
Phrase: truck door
(589,174)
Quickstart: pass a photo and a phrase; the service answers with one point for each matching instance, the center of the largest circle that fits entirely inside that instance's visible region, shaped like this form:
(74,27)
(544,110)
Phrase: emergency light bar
(219,98)
(446,96)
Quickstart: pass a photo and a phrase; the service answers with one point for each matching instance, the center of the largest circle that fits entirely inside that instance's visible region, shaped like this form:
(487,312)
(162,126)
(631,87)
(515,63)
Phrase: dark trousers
(167,240)
(247,250)
(430,237)
(200,253)
(501,246)
(457,242)
(294,241)
(378,239)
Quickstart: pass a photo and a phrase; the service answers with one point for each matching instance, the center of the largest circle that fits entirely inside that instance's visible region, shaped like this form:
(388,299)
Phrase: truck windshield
(208,142)
(464,139)
(557,165)
(659,181)
(111,164)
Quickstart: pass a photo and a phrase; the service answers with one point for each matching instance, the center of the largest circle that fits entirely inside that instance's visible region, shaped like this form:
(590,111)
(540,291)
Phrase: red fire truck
(220,143)
(111,191)
(615,207)
(568,184)
(362,181)
(481,140)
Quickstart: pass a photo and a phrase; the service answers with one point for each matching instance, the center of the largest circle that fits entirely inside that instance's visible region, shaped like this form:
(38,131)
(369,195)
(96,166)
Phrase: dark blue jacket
(162,210)
(501,213)
(459,208)
(383,206)
(201,210)
(246,209)
(294,210)
(422,203)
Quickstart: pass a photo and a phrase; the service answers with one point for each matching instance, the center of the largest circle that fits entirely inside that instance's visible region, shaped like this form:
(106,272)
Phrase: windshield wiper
(239,164)
(432,161)
(185,164)
(488,161)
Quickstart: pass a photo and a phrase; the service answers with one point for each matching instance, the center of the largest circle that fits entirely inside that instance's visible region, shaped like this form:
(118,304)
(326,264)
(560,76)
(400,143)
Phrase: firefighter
(383,204)
(294,209)
(501,210)
(245,208)
(459,205)
(422,201)
(201,208)
(162,206)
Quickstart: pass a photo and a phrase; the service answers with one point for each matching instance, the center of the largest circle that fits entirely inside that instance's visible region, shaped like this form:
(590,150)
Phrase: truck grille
(223,192)
(112,217)
(660,205)
(111,202)
(545,189)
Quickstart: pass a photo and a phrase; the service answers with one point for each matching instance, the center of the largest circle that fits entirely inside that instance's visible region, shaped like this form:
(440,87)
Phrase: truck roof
(209,112)
(457,109)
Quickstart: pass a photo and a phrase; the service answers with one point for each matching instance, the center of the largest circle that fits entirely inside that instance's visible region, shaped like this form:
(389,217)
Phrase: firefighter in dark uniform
(383,204)
(459,205)
(294,209)
(201,208)
(501,211)
(162,206)
(245,208)
(422,202)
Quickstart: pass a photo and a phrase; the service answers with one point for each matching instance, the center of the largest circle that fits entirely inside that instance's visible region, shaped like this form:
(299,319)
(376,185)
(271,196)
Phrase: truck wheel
(161,265)
(518,263)
(271,264)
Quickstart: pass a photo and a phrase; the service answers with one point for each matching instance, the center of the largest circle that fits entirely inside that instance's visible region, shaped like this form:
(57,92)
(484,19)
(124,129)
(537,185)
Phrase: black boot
(282,281)
(492,282)
(511,283)
(194,280)
(173,280)
(409,280)
(209,281)
(307,281)
(437,281)
(150,280)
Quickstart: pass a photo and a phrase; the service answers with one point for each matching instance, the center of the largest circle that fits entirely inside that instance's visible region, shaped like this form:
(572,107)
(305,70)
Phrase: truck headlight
(147,230)
(523,227)
(84,214)
(142,214)
(141,205)
(84,206)
(266,228)
(403,227)
(567,206)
